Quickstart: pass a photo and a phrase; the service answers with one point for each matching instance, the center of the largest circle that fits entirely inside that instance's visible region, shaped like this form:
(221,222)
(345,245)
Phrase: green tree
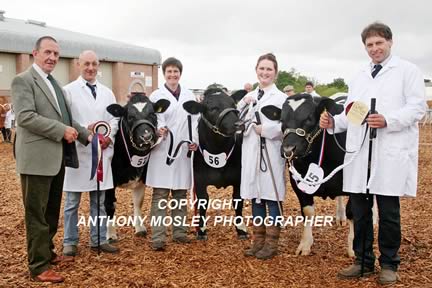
(294,78)
(285,78)
(339,83)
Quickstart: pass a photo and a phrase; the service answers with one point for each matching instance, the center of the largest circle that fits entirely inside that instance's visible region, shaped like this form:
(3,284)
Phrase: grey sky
(220,40)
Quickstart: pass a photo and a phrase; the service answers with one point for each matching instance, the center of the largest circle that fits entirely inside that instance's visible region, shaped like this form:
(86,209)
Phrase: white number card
(139,161)
(314,175)
(214,160)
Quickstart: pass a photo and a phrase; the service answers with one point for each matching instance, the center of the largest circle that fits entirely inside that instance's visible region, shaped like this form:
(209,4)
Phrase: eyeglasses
(286,91)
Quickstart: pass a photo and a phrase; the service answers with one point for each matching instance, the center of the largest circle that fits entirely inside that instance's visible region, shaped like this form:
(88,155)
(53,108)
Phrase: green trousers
(180,212)
(42,200)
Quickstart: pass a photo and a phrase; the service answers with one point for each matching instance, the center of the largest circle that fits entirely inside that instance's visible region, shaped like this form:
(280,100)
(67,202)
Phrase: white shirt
(50,86)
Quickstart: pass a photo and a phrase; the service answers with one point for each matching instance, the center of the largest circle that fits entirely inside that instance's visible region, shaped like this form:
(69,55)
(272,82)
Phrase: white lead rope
(298,177)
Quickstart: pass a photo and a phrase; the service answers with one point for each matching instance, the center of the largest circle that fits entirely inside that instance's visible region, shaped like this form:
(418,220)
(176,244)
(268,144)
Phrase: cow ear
(238,95)
(193,107)
(116,110)
(330,105)
(272,112)
(161,105)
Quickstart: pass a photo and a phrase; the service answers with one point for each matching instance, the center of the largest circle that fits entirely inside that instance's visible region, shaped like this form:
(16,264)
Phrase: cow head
(138,119)
(300,122)
(218,111)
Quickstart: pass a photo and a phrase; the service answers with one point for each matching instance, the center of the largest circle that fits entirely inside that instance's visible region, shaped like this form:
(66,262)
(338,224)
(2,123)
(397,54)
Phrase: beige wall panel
(61,71)
(7,70)
(105,77)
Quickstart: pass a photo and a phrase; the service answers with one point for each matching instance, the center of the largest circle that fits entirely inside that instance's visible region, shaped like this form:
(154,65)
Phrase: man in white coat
(88,100)
(399,90)
(176,177)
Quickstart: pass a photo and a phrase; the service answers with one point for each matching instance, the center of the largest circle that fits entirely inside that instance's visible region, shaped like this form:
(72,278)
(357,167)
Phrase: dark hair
(309,83)
(270,57)
(39,41)
(376,29)
(171,61)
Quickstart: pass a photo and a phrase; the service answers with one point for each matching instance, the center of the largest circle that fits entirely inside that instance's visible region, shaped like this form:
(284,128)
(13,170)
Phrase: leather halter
(216,128)
(136,124)
(309,137)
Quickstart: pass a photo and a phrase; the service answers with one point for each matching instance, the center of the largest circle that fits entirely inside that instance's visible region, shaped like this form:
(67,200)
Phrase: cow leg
(240,226)
(138,199)
(110,203)
(306,242)
(201,206)
(375,212)
(349,215)
(340,211)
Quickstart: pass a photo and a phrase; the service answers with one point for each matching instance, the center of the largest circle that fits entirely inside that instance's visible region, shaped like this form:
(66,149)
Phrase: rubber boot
(258,241)
(270,248)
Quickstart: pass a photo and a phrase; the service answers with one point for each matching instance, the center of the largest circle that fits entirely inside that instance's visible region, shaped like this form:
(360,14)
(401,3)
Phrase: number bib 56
(214,160)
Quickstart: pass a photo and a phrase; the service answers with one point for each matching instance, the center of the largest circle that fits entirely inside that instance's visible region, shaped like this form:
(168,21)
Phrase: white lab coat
(178,174)
(86,110)
(10,116)
(254,182)
(313,93)
(400,96)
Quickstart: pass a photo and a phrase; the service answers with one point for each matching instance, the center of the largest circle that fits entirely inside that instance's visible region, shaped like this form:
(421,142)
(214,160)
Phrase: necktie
(260,94)
(376,69)
(60,100)
(92,88)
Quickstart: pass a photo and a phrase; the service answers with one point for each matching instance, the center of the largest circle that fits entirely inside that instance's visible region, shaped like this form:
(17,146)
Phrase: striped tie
(260,94)
(92,88)
(376,69)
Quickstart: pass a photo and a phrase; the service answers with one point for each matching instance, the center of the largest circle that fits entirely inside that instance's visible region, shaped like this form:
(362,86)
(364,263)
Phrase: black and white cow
(302,140)
(133,142)
(218,159)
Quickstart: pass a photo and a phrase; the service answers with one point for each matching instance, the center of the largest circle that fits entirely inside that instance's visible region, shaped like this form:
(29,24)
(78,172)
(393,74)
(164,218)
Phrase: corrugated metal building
(123,68)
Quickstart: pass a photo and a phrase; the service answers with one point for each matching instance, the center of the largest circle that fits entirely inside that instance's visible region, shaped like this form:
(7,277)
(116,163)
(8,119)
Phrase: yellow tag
(358,113)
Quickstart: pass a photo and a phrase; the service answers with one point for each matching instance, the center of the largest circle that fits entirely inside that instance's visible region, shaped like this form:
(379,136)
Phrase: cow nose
(239,126)
(288,151)
(147,136)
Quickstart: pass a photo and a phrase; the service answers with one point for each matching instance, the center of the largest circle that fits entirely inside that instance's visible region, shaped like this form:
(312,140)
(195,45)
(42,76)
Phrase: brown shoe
(107,248)
(259,234)
(387,276)
(182,240)
(354,271)
(271,244)
(61,259)
(158,245)
(49,276)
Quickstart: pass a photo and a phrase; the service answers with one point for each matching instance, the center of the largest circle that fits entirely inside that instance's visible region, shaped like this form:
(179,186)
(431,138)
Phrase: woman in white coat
(174,177)
(399,90)
(257,181)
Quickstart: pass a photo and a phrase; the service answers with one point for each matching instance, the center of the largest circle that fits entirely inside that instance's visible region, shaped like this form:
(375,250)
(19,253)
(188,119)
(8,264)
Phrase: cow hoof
(341,222)
(303,251)
(142,234)
(242,236)
(201,236)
